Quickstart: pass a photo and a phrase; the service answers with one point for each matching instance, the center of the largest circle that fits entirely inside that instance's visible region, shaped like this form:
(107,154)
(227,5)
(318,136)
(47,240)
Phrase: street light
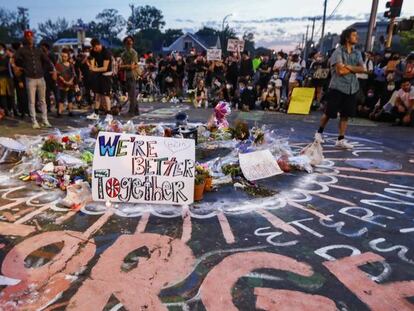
(224,20)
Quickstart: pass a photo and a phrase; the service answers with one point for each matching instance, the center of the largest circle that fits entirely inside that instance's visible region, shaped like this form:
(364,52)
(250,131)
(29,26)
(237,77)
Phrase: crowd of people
(39,80)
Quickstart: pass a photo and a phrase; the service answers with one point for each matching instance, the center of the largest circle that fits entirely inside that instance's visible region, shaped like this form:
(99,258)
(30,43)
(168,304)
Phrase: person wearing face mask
(201,99)
(247,96)
(269,99)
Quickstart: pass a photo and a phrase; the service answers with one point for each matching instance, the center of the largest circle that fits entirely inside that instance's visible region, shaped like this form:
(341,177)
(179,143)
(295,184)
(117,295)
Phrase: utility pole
(305,50)
(371,25)
(323,23)
(313,19)
(389,34)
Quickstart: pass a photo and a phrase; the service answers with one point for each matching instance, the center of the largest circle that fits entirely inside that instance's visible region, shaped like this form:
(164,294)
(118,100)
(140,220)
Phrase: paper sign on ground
(301,100)
(258,165)
(213,54)
(235,44)
(143,169)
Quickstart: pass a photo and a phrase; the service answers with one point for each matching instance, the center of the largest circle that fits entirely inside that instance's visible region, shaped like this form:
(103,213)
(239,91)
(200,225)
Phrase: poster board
(234,45)
(258,165)
(213,54)
(143,169)
(301,100)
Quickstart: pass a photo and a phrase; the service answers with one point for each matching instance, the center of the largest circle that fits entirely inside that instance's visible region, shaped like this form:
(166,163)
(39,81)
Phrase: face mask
(319,59)
(250,88)
(387,55)
(228,86)
(391,87)
(87,54)
(279,57)
(2,52)
(269,86)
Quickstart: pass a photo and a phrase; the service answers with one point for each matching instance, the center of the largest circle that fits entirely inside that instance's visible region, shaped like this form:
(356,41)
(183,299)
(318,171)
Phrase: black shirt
(33,61)
(102,56)
(246,68)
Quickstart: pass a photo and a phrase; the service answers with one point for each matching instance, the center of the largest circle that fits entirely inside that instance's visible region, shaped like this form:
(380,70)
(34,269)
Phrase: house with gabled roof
(189,41)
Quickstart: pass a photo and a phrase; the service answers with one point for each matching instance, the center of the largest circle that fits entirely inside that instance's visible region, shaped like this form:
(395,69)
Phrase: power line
(332,14)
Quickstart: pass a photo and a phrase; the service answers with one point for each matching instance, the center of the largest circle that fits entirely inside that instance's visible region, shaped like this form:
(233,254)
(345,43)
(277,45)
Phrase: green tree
(109,24)
(51,31)
(144,18)
(13,23)
(407,40)
(170,35)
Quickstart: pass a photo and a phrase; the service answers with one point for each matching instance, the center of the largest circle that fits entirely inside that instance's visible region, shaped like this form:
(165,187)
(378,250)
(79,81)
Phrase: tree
(407,40)
(170,35)
(249,44)
(51,31)
(207,31)
(144,18)
(110,24)
(13,23)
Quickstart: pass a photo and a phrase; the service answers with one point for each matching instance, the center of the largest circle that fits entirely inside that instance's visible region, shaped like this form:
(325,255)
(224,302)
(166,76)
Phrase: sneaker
(36,125)
(93,116)
(343,144)
(46,124)
(319,138)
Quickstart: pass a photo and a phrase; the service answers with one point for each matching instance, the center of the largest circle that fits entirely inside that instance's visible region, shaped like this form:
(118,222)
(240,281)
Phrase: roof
(205,42)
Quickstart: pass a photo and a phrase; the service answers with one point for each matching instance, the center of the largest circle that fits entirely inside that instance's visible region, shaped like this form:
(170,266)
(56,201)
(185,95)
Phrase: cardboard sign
(258,165)
(301,100)
(235,44)
(143,169)
(213,54)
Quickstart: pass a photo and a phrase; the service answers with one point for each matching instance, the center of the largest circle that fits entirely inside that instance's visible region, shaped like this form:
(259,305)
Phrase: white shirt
(406,97)
(280,63)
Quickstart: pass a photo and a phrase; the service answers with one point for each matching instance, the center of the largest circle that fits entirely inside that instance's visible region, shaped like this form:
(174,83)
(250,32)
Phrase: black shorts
(101,85)
(66,96)
(338,102)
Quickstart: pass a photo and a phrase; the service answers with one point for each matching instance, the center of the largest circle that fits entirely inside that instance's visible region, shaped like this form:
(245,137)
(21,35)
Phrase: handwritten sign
(234,45)
(258,165)
(143,169)
(301,100)
(213,54)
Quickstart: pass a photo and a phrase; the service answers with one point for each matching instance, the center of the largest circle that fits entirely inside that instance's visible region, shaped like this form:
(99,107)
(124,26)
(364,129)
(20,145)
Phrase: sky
(276,24)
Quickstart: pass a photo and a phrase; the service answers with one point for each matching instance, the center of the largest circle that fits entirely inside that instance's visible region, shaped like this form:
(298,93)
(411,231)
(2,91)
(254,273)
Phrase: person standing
(129,63)
(345,63)
(101,66)
(66,83)
(33,61)
(6,82)
(51,86)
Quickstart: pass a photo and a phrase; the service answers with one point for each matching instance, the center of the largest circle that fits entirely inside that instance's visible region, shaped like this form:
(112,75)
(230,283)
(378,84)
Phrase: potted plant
(199,185)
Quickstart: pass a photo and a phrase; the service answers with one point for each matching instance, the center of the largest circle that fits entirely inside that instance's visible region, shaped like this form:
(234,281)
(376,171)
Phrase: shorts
(338,102)
(66,96)
(101,85)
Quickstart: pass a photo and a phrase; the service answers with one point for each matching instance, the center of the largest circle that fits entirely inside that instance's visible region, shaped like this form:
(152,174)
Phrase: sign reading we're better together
(143,169)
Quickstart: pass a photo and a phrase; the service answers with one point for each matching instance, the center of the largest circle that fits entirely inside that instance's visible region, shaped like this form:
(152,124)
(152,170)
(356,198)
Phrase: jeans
(131,86)
(39,86)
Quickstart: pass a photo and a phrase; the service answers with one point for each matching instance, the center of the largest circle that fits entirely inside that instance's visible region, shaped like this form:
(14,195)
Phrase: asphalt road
(340,238)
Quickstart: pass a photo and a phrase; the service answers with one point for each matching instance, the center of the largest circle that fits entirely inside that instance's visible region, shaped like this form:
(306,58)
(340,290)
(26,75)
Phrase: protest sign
(258,165)
(235,44)
(213,54)
(301,100)
(143,169)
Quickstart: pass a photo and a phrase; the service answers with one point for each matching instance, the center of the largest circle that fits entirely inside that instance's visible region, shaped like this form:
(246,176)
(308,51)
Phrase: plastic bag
(301,163)
(314,152)
(77,194)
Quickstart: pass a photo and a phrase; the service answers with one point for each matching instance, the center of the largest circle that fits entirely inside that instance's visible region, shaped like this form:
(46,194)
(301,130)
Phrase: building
(188,41)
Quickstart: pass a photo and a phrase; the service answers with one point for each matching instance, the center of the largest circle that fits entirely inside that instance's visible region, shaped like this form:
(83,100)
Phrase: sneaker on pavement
(92,116)
(36,125)
(46,124)
(319,138)
(343,143)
